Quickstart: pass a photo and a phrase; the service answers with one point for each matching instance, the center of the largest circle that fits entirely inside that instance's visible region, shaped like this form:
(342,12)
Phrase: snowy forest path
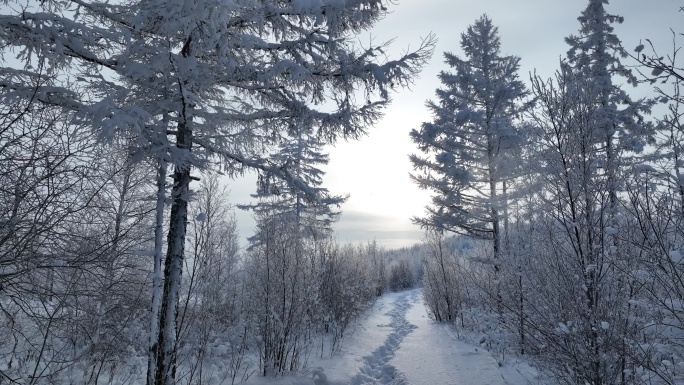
(376,367)
(433,354)
(396,343)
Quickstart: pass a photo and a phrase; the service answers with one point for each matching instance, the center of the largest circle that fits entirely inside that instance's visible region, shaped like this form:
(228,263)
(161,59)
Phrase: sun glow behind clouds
(375,170)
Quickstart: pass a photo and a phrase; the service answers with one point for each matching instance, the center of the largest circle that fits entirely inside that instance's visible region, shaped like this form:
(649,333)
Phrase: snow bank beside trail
(432,354)
(368,333)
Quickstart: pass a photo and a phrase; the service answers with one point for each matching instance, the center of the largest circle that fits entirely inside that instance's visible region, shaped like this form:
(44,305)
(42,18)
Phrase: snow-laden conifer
(596,54)
(465,144)
(301,156)
(589,130)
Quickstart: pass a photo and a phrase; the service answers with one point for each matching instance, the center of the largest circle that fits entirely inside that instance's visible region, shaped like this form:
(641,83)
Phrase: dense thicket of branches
(99,101)
(76,297)
(589,283)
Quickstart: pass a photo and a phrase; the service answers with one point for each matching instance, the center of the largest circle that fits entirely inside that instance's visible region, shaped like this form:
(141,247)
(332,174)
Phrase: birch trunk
(157,273)
(173,266)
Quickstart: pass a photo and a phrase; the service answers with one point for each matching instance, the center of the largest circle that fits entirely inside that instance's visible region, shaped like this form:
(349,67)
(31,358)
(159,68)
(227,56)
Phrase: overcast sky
(374,170)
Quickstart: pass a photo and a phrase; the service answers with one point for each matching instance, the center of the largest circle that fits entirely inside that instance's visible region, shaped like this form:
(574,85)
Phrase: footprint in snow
(376,368)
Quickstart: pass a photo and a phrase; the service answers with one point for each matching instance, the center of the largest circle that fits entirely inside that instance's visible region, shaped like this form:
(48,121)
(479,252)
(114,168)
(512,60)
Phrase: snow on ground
(432,354)
(395,343)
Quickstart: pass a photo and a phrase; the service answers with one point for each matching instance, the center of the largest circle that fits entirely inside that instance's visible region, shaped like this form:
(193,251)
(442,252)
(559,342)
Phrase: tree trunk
(173,266)
(496,222)
(157,274)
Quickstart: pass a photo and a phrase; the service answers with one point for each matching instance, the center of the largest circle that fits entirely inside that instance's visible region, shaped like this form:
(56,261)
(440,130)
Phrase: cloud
(358,227)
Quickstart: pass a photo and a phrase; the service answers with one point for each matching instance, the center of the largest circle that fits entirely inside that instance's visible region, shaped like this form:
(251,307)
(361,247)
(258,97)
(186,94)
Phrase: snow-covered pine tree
(301,156)
(595,54)
(472,130)
(587,130)
(617,133)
